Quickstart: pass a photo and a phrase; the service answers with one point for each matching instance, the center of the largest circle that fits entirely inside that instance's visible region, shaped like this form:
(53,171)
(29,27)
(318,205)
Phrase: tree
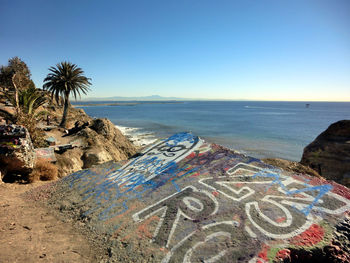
(64,79)
(15,77)
(29,100)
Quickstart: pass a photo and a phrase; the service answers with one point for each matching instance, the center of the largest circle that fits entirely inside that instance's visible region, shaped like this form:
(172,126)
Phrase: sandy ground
(30,233)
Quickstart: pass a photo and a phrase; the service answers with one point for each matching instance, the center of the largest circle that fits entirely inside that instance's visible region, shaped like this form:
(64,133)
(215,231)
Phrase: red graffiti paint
(143,229)
(263,253)
(195,174)
(190,156)
(337,189)
(280,219)
(341,190)
(215,193)
(283,255)
(309,237)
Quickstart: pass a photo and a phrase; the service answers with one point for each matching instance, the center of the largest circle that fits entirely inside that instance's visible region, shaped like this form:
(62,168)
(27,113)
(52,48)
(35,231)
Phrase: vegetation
(64,79)
(19,90)
(29,102)
(44,171)
(23,104)
(15,77)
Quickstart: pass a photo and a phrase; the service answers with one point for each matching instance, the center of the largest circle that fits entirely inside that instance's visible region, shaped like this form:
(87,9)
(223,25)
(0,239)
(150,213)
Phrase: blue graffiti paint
(107,194)
(180,137)
(322,189)
(146,187)
(110,189)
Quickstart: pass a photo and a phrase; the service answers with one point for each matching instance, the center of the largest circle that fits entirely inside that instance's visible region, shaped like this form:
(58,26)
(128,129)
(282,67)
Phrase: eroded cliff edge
(329,153)
(94,141)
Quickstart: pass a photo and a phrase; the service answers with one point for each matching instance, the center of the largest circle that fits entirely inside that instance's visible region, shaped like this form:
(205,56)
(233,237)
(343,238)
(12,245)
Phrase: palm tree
(64,79)
(28,100)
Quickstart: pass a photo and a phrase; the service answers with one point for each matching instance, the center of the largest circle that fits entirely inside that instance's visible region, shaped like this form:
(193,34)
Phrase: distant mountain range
(144,98)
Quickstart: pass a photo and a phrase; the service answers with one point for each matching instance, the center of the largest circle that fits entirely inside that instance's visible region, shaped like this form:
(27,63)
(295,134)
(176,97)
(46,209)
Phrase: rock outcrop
(105,143)
(99,142)
(185,200)
(17,153)
(329,153)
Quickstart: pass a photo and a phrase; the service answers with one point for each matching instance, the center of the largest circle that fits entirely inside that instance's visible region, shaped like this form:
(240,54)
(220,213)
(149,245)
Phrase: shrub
(44,171)
(37,135)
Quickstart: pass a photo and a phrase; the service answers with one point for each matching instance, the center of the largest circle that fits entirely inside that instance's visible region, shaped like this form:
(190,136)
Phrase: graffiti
(213,242)
(274,205)
(212,161)
(195,202)
(134,189)
(322,189)
(157,159)
(222,184)
(48,154)
(190,203)
(246,180)
(117,187)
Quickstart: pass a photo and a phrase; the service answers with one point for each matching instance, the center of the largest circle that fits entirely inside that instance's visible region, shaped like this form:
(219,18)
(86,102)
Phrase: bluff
(329,153)
(185,200)
(86,142)
(97,140)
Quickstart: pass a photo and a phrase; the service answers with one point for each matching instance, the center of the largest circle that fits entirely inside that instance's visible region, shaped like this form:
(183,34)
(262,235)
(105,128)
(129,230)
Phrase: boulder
(105,142)
(17,153)
(185,200)
(69,162)
(95,155)
(104,127)
(329,153)
(99,142)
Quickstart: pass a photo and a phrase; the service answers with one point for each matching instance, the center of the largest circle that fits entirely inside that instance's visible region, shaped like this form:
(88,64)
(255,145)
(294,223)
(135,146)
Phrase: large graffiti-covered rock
(329,153)
(184,200)
(17,153)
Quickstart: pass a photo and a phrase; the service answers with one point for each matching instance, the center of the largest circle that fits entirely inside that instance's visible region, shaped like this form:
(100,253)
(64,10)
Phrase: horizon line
(203,99)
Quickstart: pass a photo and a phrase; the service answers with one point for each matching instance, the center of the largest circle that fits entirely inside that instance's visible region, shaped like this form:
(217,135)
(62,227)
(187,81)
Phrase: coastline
(137,137)
(143,139)
(259,129)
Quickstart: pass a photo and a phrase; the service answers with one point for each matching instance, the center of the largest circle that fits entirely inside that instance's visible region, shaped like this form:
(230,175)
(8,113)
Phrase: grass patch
(43,171)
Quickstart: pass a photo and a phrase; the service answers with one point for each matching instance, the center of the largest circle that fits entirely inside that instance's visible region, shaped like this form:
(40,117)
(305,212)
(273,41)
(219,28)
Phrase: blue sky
(256,50)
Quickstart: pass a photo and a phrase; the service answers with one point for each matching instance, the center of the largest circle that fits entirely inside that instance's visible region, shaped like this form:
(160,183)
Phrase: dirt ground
(29,232)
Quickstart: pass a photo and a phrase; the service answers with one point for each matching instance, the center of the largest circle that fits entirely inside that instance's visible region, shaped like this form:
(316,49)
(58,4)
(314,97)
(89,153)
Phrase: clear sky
(257,50)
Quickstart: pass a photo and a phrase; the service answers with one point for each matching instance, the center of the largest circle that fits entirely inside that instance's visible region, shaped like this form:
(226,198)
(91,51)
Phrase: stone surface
(329,153)
(17,153)
(184,200)
(69,161)
(105,143)
(95,156)
(97,141)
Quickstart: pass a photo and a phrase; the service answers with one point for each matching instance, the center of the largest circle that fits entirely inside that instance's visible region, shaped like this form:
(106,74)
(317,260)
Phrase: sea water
(259,129)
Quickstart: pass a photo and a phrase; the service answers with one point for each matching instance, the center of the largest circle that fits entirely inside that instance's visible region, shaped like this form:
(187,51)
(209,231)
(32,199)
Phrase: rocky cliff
(97,141)
(329,153)
(16,150)
(185,200)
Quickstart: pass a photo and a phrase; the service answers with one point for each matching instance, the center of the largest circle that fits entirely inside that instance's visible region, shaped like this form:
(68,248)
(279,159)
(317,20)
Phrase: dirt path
(30,233)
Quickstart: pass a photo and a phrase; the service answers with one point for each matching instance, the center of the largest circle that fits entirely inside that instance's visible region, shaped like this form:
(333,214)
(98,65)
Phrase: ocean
(256,128)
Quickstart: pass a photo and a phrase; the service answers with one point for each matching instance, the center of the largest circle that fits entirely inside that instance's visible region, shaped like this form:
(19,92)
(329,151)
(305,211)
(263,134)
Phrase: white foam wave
(137,136)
